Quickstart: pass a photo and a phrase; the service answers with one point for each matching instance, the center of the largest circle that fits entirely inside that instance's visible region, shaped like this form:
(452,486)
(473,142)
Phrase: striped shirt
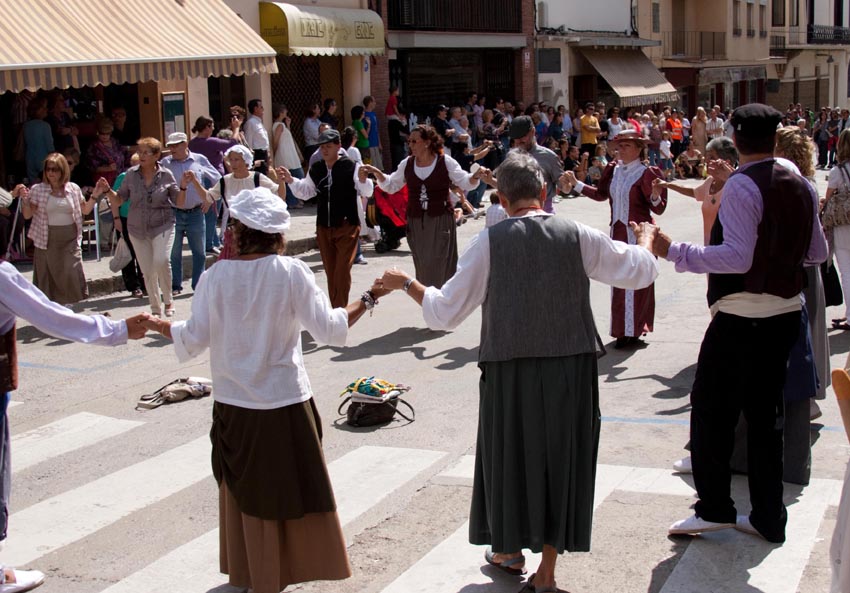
(39,194)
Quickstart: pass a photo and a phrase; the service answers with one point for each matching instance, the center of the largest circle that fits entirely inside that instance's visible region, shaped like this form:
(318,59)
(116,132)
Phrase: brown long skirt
(58,270)
(268,556)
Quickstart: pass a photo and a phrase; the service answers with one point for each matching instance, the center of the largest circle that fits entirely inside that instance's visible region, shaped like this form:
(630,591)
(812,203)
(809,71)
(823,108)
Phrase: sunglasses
(52,170)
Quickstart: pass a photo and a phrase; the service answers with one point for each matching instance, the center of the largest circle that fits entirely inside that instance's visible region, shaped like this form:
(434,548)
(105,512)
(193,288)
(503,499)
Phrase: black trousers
(262,155)
(741,368)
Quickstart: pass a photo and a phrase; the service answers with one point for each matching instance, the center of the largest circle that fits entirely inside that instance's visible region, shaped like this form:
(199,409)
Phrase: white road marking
(361,479)
(68,434)
(73,515)
(14,404)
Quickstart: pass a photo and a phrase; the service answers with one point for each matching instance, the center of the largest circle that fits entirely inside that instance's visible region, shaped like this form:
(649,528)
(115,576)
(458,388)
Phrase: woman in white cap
(240,159)
(278,519)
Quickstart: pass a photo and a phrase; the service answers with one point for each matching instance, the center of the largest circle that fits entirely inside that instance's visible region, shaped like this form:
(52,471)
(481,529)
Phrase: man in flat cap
(766,229)
(335,180)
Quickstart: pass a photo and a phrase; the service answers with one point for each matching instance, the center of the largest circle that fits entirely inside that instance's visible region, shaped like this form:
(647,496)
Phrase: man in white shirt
(336,181)
(257,136)
(714,125)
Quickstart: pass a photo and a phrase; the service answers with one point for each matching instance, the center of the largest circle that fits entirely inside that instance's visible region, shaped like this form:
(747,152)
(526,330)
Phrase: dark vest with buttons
(8,362)
(538,294)
(337,194)
(784,235)
(436,185)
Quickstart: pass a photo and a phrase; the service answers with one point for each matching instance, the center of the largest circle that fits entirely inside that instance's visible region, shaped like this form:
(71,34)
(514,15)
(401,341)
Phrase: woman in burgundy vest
(431,230)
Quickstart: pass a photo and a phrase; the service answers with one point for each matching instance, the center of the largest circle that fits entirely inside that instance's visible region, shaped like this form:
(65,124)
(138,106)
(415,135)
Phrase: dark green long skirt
(535,464)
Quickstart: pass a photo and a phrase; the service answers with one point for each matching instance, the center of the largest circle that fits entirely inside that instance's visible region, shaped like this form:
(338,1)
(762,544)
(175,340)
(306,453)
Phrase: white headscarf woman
(240,159)
(278,522)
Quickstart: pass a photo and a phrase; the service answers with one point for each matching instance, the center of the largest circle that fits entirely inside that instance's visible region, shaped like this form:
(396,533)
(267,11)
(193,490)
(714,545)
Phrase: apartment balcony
(825,35)
(782,40)
(490,16)
(694,45)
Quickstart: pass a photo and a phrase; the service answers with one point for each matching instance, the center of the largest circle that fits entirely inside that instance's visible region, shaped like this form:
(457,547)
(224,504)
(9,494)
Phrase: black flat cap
(329,136)
(755,119)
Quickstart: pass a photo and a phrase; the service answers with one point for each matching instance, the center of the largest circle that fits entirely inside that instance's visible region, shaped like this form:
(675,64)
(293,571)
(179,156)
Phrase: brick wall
(781,99)
(526,90)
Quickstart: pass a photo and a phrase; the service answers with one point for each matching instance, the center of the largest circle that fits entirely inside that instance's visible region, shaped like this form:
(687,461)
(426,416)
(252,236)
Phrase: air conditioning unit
(542,15)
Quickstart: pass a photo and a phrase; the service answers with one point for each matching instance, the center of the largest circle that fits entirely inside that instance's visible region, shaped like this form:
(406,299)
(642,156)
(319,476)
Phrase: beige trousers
(154,256)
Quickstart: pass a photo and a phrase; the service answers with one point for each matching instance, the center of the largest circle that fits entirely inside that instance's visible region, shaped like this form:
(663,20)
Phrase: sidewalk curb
(104,286)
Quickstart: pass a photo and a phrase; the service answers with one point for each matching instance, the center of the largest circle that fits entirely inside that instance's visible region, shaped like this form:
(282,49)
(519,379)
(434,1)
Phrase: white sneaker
(694,525)
(683,465)
(742,523)
(25,580)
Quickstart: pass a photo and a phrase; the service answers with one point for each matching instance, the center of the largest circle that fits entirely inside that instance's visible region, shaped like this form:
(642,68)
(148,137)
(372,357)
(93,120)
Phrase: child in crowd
(594,173)
(666,156)
(495,213)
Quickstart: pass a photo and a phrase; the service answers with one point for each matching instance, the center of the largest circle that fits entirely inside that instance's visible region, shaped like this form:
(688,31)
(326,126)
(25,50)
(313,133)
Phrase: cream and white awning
(632,76)
(318,31)
(75,43)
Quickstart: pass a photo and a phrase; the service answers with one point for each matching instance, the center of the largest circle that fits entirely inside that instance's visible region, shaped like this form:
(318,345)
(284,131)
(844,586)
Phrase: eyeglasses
(145,152)
(52,170)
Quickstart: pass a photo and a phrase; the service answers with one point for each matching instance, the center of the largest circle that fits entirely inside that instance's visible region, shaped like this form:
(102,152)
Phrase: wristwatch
(406,286)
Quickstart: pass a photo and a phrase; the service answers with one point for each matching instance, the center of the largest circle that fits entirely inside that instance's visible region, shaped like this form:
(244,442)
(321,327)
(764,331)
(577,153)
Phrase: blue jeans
(474,196)
(211,237)
(192,225)
(291,200)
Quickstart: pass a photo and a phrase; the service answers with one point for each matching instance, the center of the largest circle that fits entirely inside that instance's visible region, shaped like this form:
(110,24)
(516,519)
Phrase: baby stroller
(389,213)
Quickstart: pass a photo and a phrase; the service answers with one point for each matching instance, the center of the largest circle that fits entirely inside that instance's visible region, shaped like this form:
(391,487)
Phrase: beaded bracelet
(369,301)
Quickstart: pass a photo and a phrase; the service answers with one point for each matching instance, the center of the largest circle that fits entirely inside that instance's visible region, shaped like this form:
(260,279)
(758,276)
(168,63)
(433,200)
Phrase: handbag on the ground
(372,402)
(836,212)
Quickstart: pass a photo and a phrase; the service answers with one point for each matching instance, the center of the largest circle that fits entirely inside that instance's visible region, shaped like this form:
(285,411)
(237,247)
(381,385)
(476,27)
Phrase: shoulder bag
(836,212)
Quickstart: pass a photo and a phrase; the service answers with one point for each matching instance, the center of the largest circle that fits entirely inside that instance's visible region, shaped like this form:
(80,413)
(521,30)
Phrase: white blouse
(250,314)
(605,260)
(459,177)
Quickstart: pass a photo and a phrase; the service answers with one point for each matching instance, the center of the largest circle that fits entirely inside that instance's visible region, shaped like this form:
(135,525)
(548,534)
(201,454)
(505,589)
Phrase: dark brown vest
(436,185)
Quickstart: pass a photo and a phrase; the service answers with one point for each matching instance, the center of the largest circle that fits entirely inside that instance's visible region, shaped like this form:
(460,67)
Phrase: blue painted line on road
(78,370)
(683,422)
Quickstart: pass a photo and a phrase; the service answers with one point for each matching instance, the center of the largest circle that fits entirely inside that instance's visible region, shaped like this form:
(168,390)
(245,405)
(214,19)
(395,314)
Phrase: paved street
(108,499)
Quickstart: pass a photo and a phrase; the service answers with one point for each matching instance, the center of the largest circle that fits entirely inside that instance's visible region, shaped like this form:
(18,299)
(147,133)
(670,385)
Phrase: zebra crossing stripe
(68,434)
(13,404)
(454,563)
(734,558)
(361,479)
(73,515)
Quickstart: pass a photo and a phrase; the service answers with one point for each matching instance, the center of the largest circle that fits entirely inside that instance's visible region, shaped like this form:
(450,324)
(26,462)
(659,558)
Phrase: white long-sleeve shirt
(608,261)
(250,314)
(304,189)
(459,177)
(20,298)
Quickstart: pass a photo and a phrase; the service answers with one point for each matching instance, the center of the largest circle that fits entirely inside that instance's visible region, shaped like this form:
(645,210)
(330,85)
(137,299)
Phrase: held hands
(187,178)
(21,191)
(101,187)
(283,173)
(137,326)
(567,181)
(649,236)
(378,289)
(393,279)
(720,170)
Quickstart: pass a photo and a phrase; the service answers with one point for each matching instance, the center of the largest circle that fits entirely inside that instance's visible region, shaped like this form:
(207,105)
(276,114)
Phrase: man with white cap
(336,180)
(189,220)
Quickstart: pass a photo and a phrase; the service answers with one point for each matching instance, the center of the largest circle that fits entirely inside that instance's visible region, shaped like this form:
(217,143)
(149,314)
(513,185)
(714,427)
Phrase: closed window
(778,19)
(656,17)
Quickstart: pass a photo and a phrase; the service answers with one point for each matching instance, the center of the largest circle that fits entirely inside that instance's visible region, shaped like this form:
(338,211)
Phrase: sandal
(138,293)
(508,565)
(169,311)
(528,587)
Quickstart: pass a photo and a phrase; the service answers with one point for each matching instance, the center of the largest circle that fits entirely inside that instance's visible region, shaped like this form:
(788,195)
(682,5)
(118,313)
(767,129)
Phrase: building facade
(594,53)
(809,51)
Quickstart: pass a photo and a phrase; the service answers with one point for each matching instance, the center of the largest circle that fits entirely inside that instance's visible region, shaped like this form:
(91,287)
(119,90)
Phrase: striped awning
(632,76)
(75,43)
